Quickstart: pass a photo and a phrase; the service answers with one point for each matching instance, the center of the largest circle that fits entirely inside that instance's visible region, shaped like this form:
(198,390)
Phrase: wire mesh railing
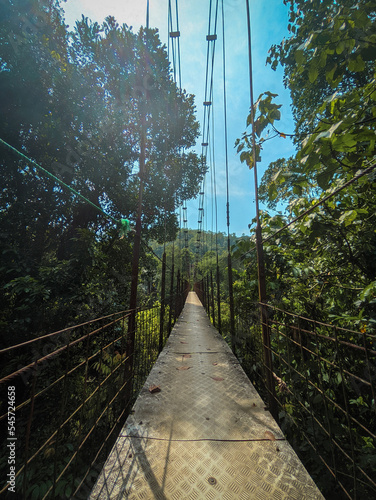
(321,379)
(324,387)
(65,396)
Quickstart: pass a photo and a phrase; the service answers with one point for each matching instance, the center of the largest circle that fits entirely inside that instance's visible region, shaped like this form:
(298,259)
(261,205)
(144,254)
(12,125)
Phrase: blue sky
(269,25)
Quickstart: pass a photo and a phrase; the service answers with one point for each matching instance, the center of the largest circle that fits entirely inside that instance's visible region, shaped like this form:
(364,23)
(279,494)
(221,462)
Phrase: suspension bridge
(199,429)
(174,401)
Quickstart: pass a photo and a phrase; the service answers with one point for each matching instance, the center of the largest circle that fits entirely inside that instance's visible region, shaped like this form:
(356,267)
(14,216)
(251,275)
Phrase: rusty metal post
(163,290)
(171,299)
(231,297)
(28,429)
(128,375)
(268,360)
(212,296)
(208,295)
(260,251)
(177,299)
(203,293)
(219,298)
(181,296)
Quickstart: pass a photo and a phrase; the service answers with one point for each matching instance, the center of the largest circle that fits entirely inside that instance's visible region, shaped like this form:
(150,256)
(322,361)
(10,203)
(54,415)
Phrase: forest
(73,102)
(320,252)
(74,106)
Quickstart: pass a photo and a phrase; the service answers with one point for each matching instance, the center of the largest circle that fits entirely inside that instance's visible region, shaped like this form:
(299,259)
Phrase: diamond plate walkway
(206,434)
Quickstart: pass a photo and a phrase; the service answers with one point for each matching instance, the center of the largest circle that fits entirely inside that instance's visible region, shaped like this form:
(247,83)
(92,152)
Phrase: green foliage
(326,258)
(75,103)
(320,255)
(331,47)
(196,260)
(265,112)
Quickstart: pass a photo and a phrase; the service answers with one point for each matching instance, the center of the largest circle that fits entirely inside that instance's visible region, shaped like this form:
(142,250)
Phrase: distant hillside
(209,241)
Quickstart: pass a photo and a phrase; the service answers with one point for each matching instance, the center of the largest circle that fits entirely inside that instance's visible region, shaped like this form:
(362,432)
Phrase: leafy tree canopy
(74,102)
(320,253)
(329,63)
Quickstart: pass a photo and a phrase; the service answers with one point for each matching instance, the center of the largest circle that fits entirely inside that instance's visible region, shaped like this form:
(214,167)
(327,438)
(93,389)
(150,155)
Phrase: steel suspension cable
(174,35)
(124,222)
(215,188)
(225,129)
(217,274)
(56,179)
(170,33)
(229,262)
(259,245)
(260,251)
(211,156)
(313,207)
(178,41)
(210,57)
(208,102)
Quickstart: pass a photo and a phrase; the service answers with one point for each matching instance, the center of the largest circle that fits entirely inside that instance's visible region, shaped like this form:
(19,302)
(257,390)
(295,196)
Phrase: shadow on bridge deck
(206,434)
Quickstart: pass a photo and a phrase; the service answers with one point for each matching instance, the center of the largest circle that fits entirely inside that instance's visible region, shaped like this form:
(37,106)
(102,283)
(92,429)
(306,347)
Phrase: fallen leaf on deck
(187,356)
(218,379)
(154,388)
(269,435)
(215,364)
(183,368)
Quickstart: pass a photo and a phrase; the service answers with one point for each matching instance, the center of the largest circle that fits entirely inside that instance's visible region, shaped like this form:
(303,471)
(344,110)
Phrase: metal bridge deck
(206,434)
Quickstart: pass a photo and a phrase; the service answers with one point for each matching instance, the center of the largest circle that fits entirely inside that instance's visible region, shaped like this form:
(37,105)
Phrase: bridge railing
(323,386)
(65,396)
